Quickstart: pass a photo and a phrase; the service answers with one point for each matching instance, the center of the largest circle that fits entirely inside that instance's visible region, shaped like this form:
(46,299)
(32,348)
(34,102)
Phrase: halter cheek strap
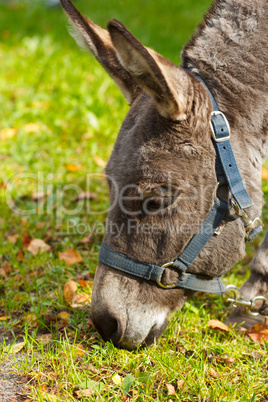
(227,173)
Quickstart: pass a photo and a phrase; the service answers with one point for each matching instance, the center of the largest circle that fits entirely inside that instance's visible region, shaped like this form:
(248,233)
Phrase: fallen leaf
(7,133)
(80,300)
(31,127)
(258,332)
(100,162)
(72,168)
(117,379)
(83,393)
(6,267)
(45,338)
(229,361)
(20,256)
(170,388)
(214,373)
(217,325)
(69,290)
(83,283)
(17,347)
(180,384)
(3,272)
(4,318)
(26,239)
(264,174)
(38,246)
(85,195)
(13,238)
(86,240)
(63,315)
(39,195)
(70,256)
(92,368)
(79,350)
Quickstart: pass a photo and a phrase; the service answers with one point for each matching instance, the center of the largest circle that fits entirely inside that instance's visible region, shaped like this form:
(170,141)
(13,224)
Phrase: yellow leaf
(63,315)
(117,379)
(4,318)
(17,347)
(38,246)
(73,168)
(217,325)
(79,350)
(7,133)
(69,290)
(31,127)
(70,256)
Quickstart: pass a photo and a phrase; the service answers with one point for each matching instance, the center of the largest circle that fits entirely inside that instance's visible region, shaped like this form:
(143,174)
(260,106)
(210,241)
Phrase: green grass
(77,111)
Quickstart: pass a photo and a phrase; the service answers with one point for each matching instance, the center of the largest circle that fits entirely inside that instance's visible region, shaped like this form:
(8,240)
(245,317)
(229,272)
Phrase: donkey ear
(98,41)
(166,83)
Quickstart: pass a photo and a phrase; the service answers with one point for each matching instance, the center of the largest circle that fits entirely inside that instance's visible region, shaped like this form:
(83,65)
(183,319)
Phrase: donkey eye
(156,203)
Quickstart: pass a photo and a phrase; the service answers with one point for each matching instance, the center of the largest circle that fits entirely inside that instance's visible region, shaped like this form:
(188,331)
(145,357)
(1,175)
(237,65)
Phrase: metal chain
(233,296)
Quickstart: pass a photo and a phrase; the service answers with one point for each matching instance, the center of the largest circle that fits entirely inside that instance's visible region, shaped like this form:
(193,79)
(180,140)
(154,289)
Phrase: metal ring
(255,313)
(168,264)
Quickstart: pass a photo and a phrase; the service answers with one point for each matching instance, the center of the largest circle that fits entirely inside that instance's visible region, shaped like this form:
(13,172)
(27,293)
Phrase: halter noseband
(227,174)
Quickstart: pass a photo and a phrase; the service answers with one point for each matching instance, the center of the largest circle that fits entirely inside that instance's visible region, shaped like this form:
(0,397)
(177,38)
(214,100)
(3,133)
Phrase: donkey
(163,171)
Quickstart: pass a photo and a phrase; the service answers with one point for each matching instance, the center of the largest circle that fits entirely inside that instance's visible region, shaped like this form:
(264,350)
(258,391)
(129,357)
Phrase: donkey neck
(229,51)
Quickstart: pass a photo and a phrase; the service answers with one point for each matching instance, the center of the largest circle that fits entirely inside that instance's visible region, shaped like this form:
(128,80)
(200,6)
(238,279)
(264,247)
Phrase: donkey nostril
(109,328)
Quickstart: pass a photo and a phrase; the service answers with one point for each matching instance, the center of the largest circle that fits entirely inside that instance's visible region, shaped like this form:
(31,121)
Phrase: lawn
(60,114)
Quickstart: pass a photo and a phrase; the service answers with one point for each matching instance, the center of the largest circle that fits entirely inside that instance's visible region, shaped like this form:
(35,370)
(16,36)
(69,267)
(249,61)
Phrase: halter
(227,174)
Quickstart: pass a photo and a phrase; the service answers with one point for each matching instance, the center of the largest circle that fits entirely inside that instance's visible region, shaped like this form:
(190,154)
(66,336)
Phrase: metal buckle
(249,223)
(222,139)
(168,264)
(233,295)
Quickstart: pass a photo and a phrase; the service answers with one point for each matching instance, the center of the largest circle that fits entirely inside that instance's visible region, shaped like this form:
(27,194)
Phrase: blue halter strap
(227,173)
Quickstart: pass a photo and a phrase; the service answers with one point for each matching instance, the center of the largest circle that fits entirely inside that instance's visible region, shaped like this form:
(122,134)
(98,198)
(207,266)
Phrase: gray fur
(166,136)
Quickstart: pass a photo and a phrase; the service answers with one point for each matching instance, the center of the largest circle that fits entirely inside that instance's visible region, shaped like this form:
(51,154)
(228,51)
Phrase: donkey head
(162,180)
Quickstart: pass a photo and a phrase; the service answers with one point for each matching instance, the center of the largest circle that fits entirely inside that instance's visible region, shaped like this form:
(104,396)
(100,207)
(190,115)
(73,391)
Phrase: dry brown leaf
(38,195)
(38,246)
(26,239)
(13,238)
(17,347)
(92,368)
(31,127)
(84,393)
(80,300)
(180,384)
(264,174)
(258,332)
(217,325)
(45,338)
(170,388)
(70,256)
(20,256)
(214,373)
(69,290)
(229,361)
(86,240)
(3,272)
(6,267)
(72,168)
(7,133)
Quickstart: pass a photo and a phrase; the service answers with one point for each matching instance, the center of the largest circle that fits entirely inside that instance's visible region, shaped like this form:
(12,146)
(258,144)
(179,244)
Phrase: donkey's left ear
(170,86)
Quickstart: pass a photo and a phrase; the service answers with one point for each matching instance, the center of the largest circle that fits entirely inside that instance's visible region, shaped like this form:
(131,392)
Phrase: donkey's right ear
(98,41)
